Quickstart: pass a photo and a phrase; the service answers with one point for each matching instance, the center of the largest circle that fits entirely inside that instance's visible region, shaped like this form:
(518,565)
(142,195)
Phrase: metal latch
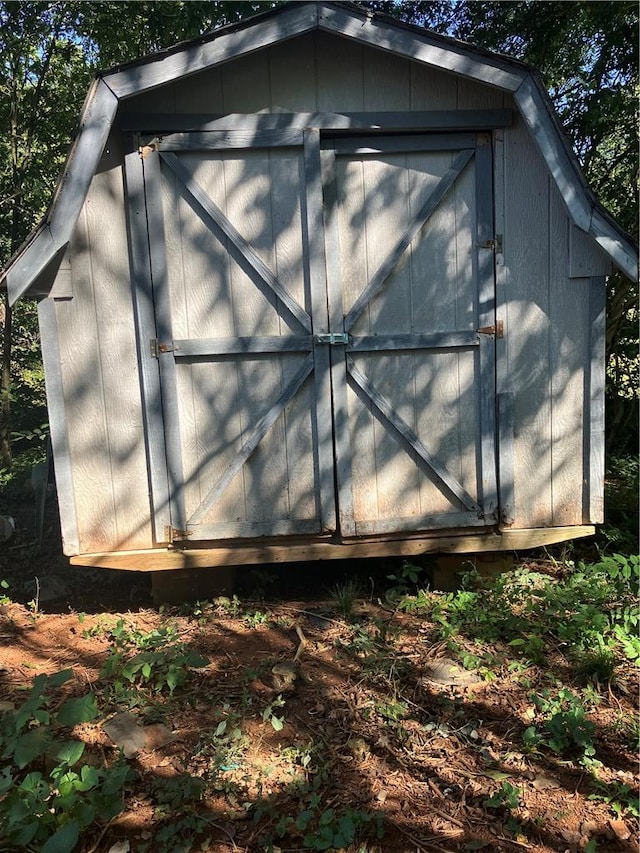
(495,244)
(497,330)
(333,339)
(156,348)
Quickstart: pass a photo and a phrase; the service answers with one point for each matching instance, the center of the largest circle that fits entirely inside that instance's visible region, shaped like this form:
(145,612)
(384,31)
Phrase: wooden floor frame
(168,559)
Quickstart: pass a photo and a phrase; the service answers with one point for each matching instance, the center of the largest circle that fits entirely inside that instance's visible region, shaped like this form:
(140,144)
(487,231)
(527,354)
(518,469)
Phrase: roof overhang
(30,270)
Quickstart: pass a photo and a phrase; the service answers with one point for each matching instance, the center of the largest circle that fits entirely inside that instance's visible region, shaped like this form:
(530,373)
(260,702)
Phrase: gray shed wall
(542,361)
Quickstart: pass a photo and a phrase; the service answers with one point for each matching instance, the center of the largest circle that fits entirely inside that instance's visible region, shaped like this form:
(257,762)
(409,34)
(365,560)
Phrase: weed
(412,579)
(50,810)
(222,748)
(269,715)
(620,797)
(565,727)
(4,599)
(177,835)
(597,665)
(329,828)
(256,619)
(344,595)
(507,796)
(156,659)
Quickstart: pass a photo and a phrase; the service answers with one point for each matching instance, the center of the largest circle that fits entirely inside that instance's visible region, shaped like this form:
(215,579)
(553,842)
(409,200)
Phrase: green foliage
(48,811)
(622,508)
(410,579)
(344,595)
(565,727)
(507,796)
(330,828)
(156,659)
(621,798)
(583,608)
(269,715)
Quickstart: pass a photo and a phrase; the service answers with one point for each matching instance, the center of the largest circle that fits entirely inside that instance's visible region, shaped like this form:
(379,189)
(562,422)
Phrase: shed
(321,285)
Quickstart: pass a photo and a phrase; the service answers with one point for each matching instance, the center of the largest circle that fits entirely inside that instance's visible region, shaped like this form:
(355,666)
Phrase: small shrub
(48,811)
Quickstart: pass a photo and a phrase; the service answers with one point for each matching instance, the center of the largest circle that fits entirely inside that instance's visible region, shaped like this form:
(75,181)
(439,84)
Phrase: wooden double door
(319,312)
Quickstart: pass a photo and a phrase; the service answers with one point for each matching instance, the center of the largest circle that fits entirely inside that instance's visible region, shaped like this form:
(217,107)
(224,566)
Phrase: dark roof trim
(31,265)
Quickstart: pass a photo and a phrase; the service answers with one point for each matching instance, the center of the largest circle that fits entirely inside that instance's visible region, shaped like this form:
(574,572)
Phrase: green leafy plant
(4,599)
(48,809)
(157,659)
(335,829)
(269,715)
(565,727)
(507,796)
(621,798)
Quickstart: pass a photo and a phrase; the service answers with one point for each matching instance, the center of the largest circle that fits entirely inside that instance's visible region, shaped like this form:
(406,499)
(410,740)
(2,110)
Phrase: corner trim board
(58,423)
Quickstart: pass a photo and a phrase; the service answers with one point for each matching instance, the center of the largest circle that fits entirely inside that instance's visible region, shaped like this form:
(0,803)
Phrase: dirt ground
(304,717)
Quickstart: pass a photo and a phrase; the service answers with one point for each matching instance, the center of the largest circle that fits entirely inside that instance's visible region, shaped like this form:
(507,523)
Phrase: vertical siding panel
(526,256)
(351,213)
(183,229)
(293,76)
(595,378)
(432,89)
(340,74)
(118,359)
(503,377)
(200,93)
(287,185)
(249,207)
(434,265)
(569,353)
(475,96)
(84,401)
(386,203)
(57,409)
(245,84)
(387,82)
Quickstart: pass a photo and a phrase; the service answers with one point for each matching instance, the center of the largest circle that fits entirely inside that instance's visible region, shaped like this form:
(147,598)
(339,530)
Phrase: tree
(49,52)
(42,68)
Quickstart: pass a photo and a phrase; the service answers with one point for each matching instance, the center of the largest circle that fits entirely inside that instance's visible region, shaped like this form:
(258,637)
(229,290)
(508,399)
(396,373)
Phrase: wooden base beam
(169,559)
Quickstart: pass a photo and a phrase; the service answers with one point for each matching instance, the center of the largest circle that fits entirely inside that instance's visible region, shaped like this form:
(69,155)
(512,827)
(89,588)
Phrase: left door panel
(242,394)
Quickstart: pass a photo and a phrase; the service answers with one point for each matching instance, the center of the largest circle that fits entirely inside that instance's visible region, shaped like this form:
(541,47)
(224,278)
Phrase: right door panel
(404,224)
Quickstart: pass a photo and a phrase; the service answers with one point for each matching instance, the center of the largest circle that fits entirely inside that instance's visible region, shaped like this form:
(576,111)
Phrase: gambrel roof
(34,266)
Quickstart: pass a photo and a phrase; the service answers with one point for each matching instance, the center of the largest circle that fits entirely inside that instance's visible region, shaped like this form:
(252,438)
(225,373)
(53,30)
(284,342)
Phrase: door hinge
(333,339)
(145,150)
(495,244)
(156,348)
(171,534)
(497,330)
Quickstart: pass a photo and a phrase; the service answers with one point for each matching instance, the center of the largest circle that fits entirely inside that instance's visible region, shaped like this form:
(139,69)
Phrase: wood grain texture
(526,256)
(85,404)
(237,555)
(569,355)
(56,408)
(419,47)
(586,257)
(222,48)
(535,113)
(141,289)
(292,75)
(595,379)
(118,359)
(339,75)
(97,116)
